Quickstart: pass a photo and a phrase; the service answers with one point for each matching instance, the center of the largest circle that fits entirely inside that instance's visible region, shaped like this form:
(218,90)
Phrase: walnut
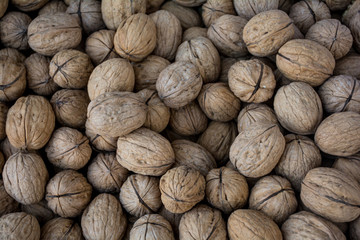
(190,3)
(352,9)
(339,135)
(140,195)
(2,162)
(68,193)
(3,113)
(152,227)
(179,84)
(12,79)
(298,108)
(249,8)
(153,5)
(30,122)
(28,5)
(173,219)
(355,29)
(99,221)
(194,32)
(7,203)
(12,54)
(181,189)
(7,149)
(13,28)
(51,33)
(251,81)
(252,224)
(332,194)
(3,7)
(145,152)
(25,176)
(285,5)
(214,9)
(188,17)
(349,165)
(100,142)
(202,222)
(39,210)
(19,225)
(53,7)
(354,229)
(348,65)
(336,5)
(59,228)
(256,150)
(226,64)
(255,113)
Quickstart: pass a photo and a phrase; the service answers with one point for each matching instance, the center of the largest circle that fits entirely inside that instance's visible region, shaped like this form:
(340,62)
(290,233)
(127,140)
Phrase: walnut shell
(28,5)
(298,108)
(181,189)
(349,165)
(251,81)
(12,80)
(194,32)
(2,162)
(153,5)
(355,30)
(202,222)
(355,229)
(348,65)
(7,203)
(252,224)
(3,113)
(25,176)
(68,193)
(190,3)
(285,5)
(332,194)
(99,221)
(39,210)
(100,142)
(249,8)
(336,5)
(7,149)
(59,228)
(19,225)
(173,219)
(255,113)
(140,195)
(226,64)
(214,9)
(352,9)
(30,122)
(179,84)
(3,7)
(257,149)
(12,54)
(152,227)
(188,17)
(145,152)
(51,33)
(53,7)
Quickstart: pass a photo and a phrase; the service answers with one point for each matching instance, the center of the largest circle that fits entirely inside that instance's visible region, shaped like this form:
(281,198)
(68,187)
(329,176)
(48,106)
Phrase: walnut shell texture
(52,7)
(190,3)
(255,113)
(335,5)
(39,210)
(214,9)
(349,165)
(7,203)
(250,8)
(188,17)
(194,32)
(28,5)
(59,228)
(12,53)
(100,142)
(19,225)
(12,80)
(152,227)
(348,65)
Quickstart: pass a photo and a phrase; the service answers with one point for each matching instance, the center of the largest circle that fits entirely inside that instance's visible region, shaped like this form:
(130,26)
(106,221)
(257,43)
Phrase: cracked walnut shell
(214,9)
(19,225)
(250,8)
(12,80)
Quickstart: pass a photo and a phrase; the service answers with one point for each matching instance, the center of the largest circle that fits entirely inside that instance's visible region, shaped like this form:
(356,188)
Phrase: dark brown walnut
(70,107)
(114,12)
(2,162)
(339,135)
(285,5)
(39,210)
(331,194)
(105,174)
(100,142)
(173,219)
(306,225)
(19,225)
(214,9)
(306,61)
(13,29)
(255,113)
(203,54)
(350,12)
(348,65)
(7,149)
(12,54)
(354,229)
(114,114)
(153,5)
(298,34)
(251,81)
(30,122)
(340,93)
(355,29)
(142,40)
(307,12)
(251,224)
(68,193)
(151,227)
(99,221)
(68,149)
(336,5)
(53,7)
(114,75)
(71,68)
(343,227)
(188,17)
(188,120)
(281,80)
(7,203)
(349,165)
(3,113)
(226,64)
(148,71)
(190,3)
(3,7)
(249,8)
(37,74)
(194,32)
(256,150)
(28,5)
(299,157)
(61,228)
(171,135)
(145,152)
(12,79)
(88,13)
(51,33)
(333,35)
(140,195)
(298,108)
(202,222)
(25,176)
(179,84)
(226,33)
(226,189)
(193,155)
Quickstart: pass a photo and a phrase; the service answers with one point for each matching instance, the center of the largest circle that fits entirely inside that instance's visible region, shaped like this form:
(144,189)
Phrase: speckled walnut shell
(68,193)
(140,195)
(7,203)
(349,165)
(306,61)
(153,5)
(257,149)
(306,225)
(19,225)
(249,8)
(25,176)
(202,53)
(145,152)
(30,122)
(12,54)
(179,84)
(348,65)
(99,221)
(152,227)
(39,210)
(251,81)
(255,113)
(300,156)
(188,17)
(194,32)
(142,40)
(59,228)
(350,12)
(13,28)
(332,194)
(3,7)
(114,12)
(53,7)
(214,9)
(226,189)
(51,33)
(251,224)
(100,142)
(181,189)
(355,29)
(3,113)
(354,229)
(202,222)
(298,108)
(12,79)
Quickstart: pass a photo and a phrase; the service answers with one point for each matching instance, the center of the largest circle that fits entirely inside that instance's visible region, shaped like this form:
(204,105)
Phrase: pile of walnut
(181,119)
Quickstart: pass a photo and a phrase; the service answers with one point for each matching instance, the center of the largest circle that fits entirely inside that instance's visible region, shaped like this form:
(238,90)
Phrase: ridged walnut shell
(3,113)
(61,228)
(39,210)
(188,17)
(214,9)
(19,225)
(194,32)
(28,5)
(250,8)
(336,5)
(350,12)
(100,142)
(12,80)
(255,113)
(190,3)
(349,165)
(52,7)
(13,54)
(151,227)
(3,7)
(348,65)
(7,203)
